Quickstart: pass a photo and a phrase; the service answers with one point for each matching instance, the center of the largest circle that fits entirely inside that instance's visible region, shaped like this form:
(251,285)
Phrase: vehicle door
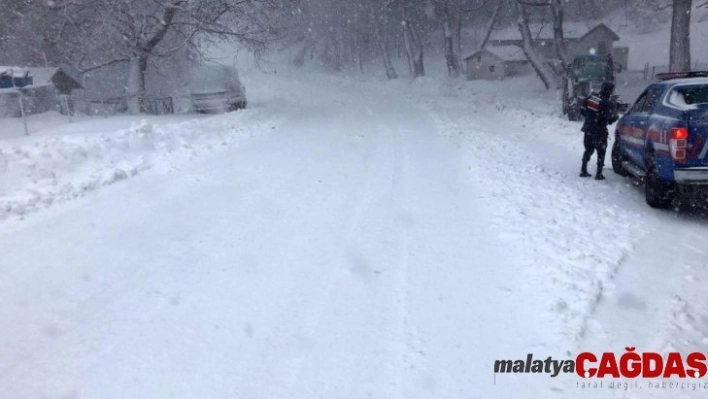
(634,127)
(629,125)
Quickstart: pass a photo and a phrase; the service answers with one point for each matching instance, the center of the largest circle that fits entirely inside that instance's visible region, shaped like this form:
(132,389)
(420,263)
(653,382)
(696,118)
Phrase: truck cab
(584,76)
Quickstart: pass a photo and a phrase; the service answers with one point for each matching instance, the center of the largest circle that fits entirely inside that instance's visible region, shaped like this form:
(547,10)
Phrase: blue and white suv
(663,137)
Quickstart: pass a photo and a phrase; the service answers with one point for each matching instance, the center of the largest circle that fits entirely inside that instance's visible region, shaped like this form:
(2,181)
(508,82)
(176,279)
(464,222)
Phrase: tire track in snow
(371,214)
(405,336)
(359,203)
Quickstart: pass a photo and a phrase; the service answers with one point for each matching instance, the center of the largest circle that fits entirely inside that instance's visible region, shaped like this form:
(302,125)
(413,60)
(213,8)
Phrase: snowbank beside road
(37,172)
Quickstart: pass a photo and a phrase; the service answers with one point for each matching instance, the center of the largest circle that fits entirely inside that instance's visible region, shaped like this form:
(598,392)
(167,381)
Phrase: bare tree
(414,48)
(490,27)
(450,15)
(558,34)
(379,18)
(546,76)
(136,32)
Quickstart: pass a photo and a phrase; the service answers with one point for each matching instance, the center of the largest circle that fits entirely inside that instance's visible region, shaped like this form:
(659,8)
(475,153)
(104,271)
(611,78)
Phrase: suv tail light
(678,144)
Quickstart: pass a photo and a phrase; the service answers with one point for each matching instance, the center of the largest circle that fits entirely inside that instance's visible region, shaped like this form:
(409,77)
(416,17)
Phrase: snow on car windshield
(208,80)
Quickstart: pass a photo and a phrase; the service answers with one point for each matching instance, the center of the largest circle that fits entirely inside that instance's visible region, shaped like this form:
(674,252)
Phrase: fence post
(65,103)
(22,110)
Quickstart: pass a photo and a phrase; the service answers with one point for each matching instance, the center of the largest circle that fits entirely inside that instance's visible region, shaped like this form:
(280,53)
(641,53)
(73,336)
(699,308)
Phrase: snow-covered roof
(506,53)
(571,31)
(42,76)
(14,72)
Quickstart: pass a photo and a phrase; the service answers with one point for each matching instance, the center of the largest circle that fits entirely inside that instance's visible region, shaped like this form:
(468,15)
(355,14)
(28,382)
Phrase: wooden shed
(485,65)
(599,39)
(496,63)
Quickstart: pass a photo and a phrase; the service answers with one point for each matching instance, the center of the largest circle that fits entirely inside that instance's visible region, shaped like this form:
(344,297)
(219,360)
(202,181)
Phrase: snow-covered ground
(616,272)
(63,159)
(342,238)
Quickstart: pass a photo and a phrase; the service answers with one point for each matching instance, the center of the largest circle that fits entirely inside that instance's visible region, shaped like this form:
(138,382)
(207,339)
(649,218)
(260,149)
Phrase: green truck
(584,76)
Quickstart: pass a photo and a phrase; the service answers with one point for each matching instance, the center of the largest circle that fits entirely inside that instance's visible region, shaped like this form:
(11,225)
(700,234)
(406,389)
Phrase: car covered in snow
(663,138)
(216,89)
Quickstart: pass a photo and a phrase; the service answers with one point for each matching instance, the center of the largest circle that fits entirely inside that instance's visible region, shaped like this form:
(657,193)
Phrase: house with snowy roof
(39,89)
(600,40)
(505,47)
(496,63)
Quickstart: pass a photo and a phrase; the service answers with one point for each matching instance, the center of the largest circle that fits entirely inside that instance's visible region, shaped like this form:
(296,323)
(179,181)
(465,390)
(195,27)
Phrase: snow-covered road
(343,254)
(373,241)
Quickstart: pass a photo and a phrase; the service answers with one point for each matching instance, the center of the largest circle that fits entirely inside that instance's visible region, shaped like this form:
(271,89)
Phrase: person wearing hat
(598,113)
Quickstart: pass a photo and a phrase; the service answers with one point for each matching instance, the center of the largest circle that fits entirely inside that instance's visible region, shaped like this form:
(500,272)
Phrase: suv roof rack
(681,75)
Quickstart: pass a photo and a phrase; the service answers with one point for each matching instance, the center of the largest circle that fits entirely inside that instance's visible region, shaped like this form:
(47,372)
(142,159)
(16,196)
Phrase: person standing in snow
(598,113)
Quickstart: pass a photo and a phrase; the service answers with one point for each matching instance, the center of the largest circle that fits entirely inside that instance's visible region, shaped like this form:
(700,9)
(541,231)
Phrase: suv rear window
(694,95)
(688,97)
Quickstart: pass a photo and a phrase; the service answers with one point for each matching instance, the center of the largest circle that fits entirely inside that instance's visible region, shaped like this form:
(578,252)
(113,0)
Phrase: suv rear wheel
(617,159)
(659,194)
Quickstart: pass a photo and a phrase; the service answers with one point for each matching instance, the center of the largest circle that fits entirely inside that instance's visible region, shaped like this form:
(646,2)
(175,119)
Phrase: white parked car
(216,89)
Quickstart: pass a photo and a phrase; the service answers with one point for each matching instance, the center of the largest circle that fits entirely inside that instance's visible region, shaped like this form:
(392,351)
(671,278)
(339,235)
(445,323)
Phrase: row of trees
(90,35)
(137,35)
(345,33)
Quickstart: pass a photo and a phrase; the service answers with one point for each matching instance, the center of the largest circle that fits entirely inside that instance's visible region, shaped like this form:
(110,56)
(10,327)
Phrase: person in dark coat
(599,113)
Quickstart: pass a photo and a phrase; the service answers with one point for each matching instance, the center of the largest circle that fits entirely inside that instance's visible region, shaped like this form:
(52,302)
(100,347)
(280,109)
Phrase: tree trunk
(136,83)
(357,53)
(680,51)
(139,61)
(390,70)
(535,60)
(488,33)
(143,64)
(336,52)
(457,36)
(453,66)
(558,35)
(414,49)
(300,55)
(133,90)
